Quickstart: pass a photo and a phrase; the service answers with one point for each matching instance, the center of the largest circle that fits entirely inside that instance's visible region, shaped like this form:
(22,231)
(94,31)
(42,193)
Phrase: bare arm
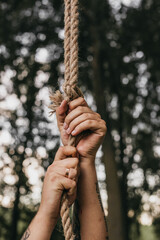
(91,215)
(55,182)
(81,119)
(40,228)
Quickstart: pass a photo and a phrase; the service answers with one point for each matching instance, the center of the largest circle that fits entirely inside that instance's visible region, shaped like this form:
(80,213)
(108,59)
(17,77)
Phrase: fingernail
(65,126)
(74,131)
(68,131)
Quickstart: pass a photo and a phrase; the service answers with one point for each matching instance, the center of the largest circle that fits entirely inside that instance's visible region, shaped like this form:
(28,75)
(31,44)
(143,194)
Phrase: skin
(73,118)
(81,119)
(55,183)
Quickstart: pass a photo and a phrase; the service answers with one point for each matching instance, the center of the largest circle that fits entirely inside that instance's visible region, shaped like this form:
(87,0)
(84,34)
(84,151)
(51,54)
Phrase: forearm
(91,214)
(40,228)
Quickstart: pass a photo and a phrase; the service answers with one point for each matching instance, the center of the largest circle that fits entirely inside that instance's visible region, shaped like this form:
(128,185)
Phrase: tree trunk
(15,216)
(124,192)
(115,213)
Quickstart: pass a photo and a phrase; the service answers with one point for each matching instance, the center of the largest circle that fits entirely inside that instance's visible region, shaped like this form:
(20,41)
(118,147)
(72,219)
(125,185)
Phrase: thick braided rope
(64,212)
(70,87)
(71,91)
(67,40)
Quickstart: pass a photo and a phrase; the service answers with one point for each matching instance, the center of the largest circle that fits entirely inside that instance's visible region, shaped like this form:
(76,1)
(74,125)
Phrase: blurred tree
(34,141)
(96,53)
(119,75)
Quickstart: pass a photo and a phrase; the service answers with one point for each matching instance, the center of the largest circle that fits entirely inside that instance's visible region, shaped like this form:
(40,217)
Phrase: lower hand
(61,175)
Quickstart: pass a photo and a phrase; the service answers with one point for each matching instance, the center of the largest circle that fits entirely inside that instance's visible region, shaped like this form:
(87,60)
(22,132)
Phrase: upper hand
(81,119)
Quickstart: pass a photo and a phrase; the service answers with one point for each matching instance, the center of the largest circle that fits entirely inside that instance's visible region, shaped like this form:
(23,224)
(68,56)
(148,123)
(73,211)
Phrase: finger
(68,184)
(61,113)
(64,152)
(61,170)
(83,117)
(75,113)
(73,174)
(72,191)
(71,186)
(99,128)
(72,198)
(77,102)
(66,163)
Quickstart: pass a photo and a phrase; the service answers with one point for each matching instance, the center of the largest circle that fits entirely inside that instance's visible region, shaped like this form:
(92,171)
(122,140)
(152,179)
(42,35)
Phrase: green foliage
(147,233)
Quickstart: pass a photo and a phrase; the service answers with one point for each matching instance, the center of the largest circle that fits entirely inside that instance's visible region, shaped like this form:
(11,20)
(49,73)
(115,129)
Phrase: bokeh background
(119,73)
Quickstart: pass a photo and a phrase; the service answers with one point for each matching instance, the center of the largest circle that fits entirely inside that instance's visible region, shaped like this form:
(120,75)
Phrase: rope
(71,90)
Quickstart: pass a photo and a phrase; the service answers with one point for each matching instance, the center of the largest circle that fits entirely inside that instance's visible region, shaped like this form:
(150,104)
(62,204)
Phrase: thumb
(61,113)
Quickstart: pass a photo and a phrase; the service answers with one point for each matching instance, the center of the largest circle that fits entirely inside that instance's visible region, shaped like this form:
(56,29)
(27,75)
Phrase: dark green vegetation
(119,62)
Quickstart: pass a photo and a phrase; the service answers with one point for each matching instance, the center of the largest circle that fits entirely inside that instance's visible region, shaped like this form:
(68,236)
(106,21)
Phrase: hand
(57,180)
(81,119)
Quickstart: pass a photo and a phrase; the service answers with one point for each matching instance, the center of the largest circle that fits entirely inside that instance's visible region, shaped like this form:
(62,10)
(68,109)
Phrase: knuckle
(75,172)
(50,174)
(54,177)
(76,161)
(80,148)
(83,102)
(67,119)
(71,125)
(61,148)
(87,115)
(80,108)
(72,148)
(52,167)
(81,98)
(73,184)
(98,115)
(54,164)
(49,169)
(89,122)
(71,105)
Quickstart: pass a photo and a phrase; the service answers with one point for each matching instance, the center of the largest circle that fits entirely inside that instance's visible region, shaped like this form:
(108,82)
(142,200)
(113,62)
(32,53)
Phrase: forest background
(119,73)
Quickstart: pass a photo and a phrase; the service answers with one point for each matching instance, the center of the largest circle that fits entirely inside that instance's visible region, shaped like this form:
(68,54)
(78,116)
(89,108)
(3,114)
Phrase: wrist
(87,165)
(42,226)
(88,161)
(47,217)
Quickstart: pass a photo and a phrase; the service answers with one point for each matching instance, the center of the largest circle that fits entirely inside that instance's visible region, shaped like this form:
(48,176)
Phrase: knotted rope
(70,88)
